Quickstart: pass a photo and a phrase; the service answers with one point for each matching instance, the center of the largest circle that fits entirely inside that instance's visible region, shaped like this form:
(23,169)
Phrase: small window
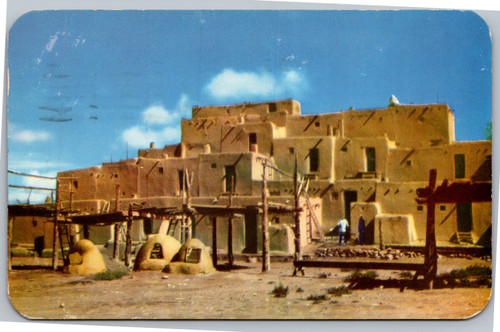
(420,208)
(273,107)
(316,124)
(214,165)
(182,180)
(459,166)
(313,160)
(160,170)
(230,176)
(370,159)
(252,140)
(408,163)
(442,207)
(291,150)
(75,184)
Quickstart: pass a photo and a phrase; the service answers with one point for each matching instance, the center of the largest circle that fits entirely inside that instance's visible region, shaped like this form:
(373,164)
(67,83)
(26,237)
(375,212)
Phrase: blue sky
(87,87)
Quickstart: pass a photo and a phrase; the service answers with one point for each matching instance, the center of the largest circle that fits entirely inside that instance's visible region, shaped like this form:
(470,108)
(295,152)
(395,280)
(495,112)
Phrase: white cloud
(141,137)
(159,125)
(157,115)
(230,84)
(29,136)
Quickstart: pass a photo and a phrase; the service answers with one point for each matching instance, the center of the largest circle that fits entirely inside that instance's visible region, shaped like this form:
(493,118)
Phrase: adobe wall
(288,106)
(285,150)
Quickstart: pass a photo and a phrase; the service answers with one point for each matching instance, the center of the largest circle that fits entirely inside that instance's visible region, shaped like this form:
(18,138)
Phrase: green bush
(280,291)
(358,276)
(109,275)
(318,298)
(339,291)
(473,270)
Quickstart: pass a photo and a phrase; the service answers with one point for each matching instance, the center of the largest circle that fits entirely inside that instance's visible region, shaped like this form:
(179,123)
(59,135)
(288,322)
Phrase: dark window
(313,160)
(420,208)
(291,150)
(230,175)
(252,138)
(370,159)
(317,124)
(272,107)
(442,207)
(160,169)
(459,166)
(213,165)
(182,180)
(75,184)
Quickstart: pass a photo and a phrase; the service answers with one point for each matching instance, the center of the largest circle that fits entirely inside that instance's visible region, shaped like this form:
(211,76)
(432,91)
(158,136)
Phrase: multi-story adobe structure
(356,162)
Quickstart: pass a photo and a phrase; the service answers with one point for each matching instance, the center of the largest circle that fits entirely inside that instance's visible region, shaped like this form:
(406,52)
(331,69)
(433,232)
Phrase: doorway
(464,217)
(349,197)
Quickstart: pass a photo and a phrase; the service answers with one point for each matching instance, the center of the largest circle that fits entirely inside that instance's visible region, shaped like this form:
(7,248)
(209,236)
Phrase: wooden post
(9,235)
(128,241)
(117,225)
(430,258)
(265,231)
(230,255)
(56,230)
(298,240)
(189,226)
(214,241)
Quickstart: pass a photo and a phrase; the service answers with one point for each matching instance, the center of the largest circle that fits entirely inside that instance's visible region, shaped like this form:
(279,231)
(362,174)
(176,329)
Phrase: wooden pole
(265,231)
(117,225)
(55,246)
(189,225)
(9,244)
(214,241)
(298,240)
(128,241)
(230,255)
(430,258)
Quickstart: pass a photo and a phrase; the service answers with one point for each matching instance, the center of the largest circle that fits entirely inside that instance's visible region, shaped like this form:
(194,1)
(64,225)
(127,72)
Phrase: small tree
(487,131)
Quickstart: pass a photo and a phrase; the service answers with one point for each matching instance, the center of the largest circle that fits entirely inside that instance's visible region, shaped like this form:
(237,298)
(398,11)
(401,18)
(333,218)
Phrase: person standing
(361,230)
(343,224)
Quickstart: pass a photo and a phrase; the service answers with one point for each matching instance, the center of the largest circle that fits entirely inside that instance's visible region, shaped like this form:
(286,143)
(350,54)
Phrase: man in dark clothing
(361,230)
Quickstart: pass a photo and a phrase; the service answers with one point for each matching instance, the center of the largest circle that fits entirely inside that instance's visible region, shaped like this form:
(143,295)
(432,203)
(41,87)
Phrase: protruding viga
(85,259)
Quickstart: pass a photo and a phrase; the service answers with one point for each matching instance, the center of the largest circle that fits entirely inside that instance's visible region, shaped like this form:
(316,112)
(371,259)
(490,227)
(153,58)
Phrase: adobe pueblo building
(352,163)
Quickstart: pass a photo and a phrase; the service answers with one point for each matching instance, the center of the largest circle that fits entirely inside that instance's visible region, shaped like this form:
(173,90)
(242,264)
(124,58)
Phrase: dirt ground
(243,293)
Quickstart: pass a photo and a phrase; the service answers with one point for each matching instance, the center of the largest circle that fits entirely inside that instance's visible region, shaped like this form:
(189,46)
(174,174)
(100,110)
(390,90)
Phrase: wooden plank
(265,225)
(298,249)
(99,219)
(117,225)
(128,240)
(430,253)
(356,265)
(56,230)
(230,255)
(214,241)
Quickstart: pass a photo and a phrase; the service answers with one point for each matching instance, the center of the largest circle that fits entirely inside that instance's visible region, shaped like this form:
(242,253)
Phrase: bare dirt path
(240,294)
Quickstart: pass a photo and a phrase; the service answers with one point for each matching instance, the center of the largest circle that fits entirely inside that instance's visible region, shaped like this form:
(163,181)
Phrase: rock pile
(387,254)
